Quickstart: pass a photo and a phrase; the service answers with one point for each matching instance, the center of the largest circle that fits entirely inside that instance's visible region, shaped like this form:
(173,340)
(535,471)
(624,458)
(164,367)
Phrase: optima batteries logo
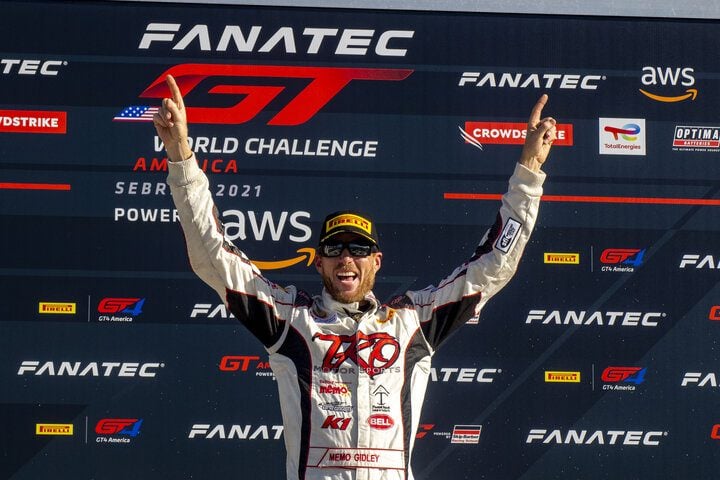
(57,308)
(696,139)
(622,136)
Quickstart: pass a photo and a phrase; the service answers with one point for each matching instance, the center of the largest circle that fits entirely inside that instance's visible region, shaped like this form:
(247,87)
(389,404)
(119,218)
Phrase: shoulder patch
(508,235)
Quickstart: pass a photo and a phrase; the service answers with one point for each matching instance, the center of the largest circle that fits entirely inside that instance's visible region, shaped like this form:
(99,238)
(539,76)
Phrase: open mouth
(346,277)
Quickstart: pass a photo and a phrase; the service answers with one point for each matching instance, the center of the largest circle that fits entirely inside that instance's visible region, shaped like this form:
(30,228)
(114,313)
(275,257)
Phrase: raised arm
(254,301)
(461,296)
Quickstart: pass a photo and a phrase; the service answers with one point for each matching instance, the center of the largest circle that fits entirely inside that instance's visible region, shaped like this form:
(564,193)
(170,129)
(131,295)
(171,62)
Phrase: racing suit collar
(354,310)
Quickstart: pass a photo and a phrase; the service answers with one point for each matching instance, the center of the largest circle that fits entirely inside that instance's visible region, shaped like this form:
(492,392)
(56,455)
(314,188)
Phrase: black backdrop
(599,361)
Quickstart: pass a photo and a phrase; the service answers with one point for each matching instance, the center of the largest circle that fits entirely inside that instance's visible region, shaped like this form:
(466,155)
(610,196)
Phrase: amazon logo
(272,226)
(680,80)
(305,254)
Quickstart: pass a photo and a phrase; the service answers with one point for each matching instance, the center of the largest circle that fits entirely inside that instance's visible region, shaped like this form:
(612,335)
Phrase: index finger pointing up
(536,113)
(175,92)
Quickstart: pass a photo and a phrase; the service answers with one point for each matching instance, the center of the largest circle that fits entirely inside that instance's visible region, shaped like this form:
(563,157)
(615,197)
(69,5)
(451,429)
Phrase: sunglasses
(355,249)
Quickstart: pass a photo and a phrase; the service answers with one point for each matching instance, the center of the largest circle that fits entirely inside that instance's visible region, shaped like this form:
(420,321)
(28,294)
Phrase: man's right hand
(171,124)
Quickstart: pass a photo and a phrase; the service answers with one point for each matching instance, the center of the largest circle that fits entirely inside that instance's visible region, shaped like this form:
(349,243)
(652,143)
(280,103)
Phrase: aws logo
(664,78)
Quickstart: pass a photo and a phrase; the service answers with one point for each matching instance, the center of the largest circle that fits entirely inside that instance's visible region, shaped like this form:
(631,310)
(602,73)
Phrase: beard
(366,285)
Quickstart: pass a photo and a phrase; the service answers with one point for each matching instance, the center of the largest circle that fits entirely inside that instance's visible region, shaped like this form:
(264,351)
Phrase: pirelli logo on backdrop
(57,308)
(562,377)
(562,258)
(53,429)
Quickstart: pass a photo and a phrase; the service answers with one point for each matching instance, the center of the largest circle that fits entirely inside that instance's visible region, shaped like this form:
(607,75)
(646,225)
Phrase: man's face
(348,278)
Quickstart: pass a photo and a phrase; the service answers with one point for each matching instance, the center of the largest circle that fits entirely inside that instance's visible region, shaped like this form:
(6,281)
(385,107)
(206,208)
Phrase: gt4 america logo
(119,426)
(324,84)
(374,352)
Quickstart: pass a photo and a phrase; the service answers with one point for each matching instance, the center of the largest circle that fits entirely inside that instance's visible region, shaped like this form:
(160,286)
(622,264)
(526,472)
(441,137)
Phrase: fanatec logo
(596,437)
(597,318)
(290,40)
(89,369)
(235,432)
(563,81)
(463,375)
(699,379)
(695,261)
(17,66)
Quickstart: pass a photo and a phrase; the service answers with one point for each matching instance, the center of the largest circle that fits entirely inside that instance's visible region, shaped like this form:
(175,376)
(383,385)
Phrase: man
(351,372)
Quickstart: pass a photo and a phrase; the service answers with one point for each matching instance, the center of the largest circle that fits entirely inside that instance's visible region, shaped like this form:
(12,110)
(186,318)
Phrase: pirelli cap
(348,221)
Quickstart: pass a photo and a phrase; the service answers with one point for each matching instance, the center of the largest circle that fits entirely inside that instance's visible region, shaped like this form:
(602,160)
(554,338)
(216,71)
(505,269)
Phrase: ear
(377,259)
(318,263)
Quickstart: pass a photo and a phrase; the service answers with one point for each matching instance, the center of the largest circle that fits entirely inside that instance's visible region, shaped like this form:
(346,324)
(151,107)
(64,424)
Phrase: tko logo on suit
(374,352)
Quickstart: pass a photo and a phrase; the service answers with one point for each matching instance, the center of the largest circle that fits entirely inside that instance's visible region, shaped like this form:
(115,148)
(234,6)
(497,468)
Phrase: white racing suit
(351,389)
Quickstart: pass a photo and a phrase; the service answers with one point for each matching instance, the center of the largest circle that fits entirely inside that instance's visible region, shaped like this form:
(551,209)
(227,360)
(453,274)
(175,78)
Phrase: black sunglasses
(355,249)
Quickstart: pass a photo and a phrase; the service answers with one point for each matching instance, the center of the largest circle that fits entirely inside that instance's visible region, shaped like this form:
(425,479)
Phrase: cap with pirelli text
(348,221)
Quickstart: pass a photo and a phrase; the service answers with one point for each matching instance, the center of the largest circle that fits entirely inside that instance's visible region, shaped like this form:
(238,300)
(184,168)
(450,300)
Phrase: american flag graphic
(136,114)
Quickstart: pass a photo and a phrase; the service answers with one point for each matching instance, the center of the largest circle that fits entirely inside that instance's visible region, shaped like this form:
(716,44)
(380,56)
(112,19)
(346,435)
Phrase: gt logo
(325,84)
(634,375)
(121,305)
(232,363)
(119,426)
(623,256)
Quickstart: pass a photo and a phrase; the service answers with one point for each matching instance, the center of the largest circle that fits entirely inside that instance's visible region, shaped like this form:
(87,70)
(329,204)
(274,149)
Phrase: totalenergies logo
(622,136)
(628,132)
